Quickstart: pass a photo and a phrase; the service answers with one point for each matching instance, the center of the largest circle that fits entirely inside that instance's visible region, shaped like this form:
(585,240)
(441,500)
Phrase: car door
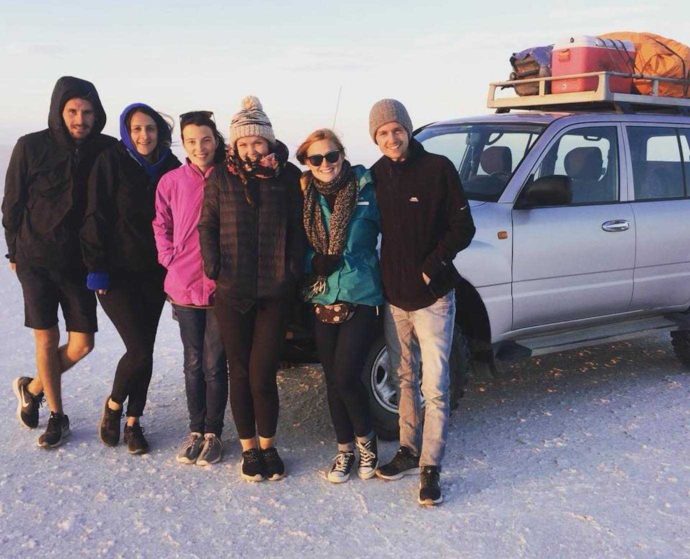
(576,260)
(659,165)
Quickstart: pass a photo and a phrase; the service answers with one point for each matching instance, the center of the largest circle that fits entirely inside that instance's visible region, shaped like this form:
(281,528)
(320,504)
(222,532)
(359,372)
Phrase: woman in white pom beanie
(252,244)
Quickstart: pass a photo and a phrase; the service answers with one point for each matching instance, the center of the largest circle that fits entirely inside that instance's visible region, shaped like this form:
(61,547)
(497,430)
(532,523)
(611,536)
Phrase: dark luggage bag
(534,62)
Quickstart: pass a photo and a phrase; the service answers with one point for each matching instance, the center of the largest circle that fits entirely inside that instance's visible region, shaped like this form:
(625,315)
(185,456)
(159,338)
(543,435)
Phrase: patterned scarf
(332,241)
(268,167)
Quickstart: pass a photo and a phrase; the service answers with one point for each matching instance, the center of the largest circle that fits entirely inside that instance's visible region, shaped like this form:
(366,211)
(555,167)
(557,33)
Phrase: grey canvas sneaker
(211,452)
(368,458)
(190,448)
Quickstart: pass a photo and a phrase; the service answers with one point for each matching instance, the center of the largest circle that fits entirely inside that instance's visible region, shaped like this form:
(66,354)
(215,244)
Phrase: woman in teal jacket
(341,221)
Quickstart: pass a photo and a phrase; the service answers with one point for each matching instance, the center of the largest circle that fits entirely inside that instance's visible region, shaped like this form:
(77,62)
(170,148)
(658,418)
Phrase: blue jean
(428,333)
(205,369)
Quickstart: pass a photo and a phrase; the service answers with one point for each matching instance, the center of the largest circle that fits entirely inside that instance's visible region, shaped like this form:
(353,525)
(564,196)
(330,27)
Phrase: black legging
(134,304)
(253,342)
(342,349)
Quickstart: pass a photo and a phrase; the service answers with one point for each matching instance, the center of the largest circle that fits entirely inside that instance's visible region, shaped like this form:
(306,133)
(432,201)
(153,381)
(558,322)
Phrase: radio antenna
(337,106)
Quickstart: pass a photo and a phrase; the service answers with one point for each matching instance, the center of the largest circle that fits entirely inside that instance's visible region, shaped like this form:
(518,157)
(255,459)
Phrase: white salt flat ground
(580,454)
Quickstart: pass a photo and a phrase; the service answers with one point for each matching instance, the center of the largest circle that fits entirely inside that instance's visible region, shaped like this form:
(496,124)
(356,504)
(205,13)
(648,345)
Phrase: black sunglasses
(195,114)
(316,160)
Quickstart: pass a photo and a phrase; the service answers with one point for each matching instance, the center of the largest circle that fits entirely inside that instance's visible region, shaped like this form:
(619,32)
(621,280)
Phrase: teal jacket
(358,280)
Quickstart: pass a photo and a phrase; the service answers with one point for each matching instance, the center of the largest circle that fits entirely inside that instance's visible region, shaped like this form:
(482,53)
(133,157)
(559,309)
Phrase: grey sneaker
(342,467)
(191,448)
(27,403)
(404,463)
(211,452)
(368,458)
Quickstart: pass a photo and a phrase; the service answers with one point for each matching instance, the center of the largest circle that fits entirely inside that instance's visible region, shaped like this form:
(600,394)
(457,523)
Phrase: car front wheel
(381,383)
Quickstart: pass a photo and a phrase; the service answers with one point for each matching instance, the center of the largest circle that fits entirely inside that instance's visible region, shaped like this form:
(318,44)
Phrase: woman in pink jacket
(178,204)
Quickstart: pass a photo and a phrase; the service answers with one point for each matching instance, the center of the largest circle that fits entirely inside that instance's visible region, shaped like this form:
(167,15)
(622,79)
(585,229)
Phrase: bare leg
(265,443)
(52,361)
(248,444)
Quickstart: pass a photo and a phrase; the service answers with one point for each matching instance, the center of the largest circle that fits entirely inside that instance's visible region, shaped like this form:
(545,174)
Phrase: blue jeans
(428,333)
(205,369)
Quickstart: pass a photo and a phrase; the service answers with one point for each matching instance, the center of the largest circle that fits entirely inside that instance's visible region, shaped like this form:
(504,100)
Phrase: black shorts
(44,290)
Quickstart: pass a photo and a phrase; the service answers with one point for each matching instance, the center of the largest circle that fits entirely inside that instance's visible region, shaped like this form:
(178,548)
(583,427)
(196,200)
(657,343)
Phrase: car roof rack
(599,99)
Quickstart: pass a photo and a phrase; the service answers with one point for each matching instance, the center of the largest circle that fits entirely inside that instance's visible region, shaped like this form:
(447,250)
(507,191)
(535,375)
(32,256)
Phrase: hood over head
(66,88)
(164,138)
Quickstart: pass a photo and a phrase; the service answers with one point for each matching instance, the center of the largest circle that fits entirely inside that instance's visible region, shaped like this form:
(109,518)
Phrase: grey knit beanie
(251,120)
(385,111)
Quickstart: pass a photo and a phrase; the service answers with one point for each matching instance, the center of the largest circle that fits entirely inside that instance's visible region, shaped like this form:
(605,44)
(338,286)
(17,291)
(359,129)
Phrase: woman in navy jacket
(121,258)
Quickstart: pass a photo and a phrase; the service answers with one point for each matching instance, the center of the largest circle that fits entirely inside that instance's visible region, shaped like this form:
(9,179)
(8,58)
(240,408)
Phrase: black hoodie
(425,222)
(45,187)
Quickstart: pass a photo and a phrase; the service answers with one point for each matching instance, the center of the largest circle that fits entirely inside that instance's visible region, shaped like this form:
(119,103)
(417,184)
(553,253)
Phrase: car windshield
(485,155)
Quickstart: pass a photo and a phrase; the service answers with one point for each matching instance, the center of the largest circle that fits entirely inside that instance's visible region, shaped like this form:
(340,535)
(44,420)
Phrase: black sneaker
(253,468)
(135,440)
(27,403)
(368,458)
(404,463)
(430,486)
(275,469)
(56,431)
(110,425)
(342,467)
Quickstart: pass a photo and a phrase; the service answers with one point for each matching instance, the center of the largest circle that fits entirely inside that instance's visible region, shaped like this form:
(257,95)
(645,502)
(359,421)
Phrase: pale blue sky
(436,57)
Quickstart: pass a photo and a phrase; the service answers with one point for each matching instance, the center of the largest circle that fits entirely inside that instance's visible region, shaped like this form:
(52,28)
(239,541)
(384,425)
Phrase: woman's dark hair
(164,127)
(317,136)
(204,118)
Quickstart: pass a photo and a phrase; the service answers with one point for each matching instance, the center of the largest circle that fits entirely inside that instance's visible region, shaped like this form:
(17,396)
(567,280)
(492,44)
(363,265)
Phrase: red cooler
(580,55)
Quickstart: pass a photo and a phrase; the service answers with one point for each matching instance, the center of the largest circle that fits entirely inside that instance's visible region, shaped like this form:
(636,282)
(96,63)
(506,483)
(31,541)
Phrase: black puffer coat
(45,188)
(253,252)
(117,234)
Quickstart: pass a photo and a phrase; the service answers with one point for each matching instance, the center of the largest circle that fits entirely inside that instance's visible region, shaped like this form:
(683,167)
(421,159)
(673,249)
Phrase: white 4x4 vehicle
(582,209)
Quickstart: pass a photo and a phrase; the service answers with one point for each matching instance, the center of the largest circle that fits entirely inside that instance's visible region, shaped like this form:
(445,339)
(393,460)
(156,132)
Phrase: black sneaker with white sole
(27,403)
(430,486)
(56,432)
(404,463)
(135,440)
(275,469)
(253,467)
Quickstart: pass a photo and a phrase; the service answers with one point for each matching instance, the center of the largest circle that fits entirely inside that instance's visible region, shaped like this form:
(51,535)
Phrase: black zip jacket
(425,222)
(253,252)
(45,187)
(117,234)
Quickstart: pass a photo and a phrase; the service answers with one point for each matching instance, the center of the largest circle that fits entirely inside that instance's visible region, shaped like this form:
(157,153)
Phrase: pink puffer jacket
(179,196)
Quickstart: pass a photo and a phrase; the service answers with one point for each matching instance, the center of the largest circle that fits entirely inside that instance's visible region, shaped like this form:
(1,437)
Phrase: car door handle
(615,225)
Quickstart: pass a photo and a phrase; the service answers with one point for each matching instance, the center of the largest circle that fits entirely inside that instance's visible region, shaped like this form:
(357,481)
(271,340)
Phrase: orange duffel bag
(658,56)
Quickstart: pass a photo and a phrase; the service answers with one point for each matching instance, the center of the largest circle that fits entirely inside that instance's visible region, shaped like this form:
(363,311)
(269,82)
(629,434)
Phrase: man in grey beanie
(425,222)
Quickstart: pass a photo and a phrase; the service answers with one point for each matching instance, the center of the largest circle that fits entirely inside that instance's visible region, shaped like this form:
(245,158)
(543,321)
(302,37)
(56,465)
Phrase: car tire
(680,340)
(381,384)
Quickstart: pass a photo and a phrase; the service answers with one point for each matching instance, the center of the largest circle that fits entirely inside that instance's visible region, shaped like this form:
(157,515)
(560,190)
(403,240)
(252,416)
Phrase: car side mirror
(553,190)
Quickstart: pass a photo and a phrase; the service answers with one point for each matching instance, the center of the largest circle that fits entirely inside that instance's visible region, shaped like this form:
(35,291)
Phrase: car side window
(589,158)
(655,153)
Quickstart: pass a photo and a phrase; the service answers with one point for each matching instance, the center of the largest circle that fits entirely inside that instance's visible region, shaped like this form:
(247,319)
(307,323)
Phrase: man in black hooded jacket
(42,211)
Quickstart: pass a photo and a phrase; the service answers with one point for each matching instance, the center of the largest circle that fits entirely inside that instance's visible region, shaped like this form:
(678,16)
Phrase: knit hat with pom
(251,120)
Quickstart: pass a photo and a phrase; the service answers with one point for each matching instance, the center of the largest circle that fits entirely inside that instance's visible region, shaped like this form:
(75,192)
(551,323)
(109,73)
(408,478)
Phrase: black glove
(324,264)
